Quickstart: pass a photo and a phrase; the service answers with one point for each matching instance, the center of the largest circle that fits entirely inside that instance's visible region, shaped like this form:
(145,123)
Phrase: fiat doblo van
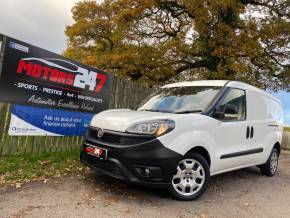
(185,133)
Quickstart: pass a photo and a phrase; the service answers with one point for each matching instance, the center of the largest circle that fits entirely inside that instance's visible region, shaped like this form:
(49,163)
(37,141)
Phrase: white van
(185,133)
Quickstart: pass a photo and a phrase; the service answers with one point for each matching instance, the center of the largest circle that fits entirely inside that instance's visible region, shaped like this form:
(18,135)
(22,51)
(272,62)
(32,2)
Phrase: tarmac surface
(243,193)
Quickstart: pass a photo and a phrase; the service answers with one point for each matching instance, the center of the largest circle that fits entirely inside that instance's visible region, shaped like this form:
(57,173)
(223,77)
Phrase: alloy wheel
(189,177)
(274,162)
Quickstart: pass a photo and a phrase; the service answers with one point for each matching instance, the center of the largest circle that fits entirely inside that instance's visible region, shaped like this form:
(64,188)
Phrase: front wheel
(191,178)
(270,167)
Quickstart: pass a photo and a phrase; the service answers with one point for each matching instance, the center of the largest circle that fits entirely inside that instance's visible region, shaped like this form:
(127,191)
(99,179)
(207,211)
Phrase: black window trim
(222,97)
(211,107)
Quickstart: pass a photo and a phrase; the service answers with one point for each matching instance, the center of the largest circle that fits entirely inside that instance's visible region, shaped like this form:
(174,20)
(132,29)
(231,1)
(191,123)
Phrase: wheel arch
(203,152)
(277,145)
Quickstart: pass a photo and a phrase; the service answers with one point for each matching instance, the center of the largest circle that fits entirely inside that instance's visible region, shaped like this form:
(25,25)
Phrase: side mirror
(227,112)
(231,112)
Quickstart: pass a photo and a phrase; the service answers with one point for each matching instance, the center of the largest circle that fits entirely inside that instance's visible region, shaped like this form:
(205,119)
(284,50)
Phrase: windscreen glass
(186,99)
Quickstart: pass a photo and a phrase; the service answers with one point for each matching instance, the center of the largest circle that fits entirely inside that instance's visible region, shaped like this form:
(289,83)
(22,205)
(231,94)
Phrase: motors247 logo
(61,72)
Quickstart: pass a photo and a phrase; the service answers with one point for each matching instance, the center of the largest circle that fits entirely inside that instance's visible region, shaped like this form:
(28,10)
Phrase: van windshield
(186,99)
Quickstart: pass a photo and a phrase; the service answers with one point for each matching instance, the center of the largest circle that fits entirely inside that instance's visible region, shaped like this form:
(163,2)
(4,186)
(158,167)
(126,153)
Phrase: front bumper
(147,163)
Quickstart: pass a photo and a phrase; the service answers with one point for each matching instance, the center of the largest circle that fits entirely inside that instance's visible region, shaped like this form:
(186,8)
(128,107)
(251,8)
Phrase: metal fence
(124,94)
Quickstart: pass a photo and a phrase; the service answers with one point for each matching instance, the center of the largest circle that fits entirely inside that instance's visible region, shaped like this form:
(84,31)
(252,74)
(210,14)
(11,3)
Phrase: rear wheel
(191,178)
(270,167)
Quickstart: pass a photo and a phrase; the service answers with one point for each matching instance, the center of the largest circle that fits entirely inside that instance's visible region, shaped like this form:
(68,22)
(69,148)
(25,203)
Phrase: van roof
(221,83)
(197,83)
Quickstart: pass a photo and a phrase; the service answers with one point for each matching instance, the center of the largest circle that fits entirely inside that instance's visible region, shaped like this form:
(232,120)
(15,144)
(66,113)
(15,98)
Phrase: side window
(233,106)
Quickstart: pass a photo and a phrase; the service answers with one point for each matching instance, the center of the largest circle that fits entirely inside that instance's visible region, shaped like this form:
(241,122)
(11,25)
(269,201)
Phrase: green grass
(24,168)
(287,129)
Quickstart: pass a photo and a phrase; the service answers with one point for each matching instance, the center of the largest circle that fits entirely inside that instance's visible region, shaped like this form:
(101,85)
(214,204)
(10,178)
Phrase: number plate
(97,152)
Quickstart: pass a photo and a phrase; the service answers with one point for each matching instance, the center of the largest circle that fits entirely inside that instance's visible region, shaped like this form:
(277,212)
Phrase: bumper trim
(127,175)
(123,162)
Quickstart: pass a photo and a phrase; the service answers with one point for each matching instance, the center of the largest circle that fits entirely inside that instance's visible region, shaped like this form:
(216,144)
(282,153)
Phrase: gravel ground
(243,193)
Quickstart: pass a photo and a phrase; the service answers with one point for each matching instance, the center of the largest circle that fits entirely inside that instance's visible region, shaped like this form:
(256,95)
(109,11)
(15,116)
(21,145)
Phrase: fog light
(149,172)
(146,172)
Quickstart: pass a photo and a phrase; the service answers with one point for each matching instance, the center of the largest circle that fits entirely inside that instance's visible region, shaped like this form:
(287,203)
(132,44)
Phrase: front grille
(117,138)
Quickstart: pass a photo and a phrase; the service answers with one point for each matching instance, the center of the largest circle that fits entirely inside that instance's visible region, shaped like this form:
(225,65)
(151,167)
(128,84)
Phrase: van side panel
(265,115)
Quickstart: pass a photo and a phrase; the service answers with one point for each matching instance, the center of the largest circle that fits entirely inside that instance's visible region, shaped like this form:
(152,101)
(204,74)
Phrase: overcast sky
(42,23)
(38,22)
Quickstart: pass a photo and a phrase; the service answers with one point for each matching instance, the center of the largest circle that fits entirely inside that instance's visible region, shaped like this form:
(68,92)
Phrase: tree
(156,41)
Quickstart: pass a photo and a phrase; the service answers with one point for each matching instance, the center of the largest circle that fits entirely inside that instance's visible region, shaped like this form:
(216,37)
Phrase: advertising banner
(33,121)
(34,76)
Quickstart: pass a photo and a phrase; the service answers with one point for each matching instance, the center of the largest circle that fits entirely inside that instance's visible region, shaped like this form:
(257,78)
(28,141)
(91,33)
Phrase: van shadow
(232,184)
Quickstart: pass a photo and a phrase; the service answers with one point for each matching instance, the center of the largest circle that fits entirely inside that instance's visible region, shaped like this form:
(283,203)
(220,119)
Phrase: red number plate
(97,152)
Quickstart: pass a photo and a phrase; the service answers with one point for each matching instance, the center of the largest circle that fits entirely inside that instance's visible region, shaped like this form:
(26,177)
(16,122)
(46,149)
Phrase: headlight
(154,127)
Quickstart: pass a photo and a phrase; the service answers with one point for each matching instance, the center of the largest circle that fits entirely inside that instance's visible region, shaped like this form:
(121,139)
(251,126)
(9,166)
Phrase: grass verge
(15,170)
(287,129)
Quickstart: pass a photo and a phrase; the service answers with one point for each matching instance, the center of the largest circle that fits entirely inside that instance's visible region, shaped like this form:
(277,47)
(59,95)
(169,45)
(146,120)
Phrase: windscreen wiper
(188,112)
(162,111)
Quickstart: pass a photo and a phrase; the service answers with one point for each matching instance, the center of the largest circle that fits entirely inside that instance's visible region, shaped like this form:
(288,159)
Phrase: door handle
(248,132)
(252,132)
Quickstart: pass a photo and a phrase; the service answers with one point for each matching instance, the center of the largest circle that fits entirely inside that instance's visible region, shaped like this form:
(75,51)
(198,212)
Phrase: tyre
(191,178)
(270,167)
